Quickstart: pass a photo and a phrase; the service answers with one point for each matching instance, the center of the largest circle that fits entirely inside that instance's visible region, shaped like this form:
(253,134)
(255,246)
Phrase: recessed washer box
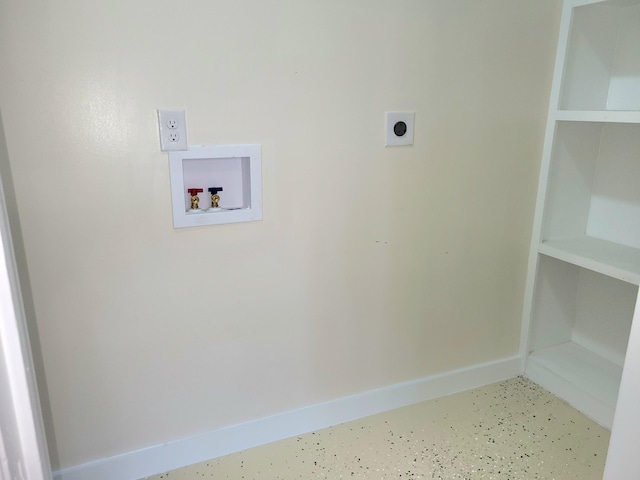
(237,169)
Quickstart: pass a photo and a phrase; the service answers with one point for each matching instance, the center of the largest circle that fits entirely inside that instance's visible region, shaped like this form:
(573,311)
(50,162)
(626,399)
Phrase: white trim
(180,453)
(623,461)
(20,414)
(536,234)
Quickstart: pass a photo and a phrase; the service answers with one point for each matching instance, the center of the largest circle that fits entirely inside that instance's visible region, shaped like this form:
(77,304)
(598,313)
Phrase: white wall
(372,265)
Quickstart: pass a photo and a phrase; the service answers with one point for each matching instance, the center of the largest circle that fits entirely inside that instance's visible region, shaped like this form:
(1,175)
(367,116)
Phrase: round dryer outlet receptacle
(399,128)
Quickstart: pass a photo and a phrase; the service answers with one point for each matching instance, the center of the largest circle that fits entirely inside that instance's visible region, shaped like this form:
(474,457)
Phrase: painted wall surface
(372,266)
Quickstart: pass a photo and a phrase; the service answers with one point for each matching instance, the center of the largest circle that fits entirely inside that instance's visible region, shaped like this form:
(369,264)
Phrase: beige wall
(372,266)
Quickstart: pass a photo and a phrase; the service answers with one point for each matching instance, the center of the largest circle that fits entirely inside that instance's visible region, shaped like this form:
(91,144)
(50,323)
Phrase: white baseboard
(169,456)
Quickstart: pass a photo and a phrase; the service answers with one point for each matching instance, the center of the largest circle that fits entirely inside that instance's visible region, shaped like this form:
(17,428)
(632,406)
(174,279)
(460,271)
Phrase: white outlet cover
(173,130)
(399,128)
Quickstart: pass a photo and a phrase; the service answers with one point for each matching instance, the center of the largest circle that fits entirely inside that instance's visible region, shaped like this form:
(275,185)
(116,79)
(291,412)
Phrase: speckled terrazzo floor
(510,430)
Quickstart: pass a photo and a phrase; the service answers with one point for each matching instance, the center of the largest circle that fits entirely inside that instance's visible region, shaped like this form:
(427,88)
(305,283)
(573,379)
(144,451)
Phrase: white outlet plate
(399,136)
(173,130)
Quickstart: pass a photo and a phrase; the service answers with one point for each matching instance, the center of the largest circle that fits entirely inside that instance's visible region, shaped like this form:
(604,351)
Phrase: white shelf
(601,64)
(585,380)
(593,183)
(604,116)
(602,256)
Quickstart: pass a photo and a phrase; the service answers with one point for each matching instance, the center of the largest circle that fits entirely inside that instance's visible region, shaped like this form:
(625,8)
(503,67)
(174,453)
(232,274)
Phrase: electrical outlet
(173,130)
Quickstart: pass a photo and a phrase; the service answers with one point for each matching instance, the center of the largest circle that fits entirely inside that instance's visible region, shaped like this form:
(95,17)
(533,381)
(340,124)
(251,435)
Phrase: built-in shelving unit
(585,255)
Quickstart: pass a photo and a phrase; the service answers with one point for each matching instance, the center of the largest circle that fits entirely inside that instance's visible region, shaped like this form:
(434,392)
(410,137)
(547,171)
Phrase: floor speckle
(512,430)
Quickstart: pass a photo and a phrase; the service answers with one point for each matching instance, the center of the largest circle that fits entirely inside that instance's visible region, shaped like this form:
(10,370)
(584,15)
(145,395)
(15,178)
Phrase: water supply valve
(215,198)
(195,200)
